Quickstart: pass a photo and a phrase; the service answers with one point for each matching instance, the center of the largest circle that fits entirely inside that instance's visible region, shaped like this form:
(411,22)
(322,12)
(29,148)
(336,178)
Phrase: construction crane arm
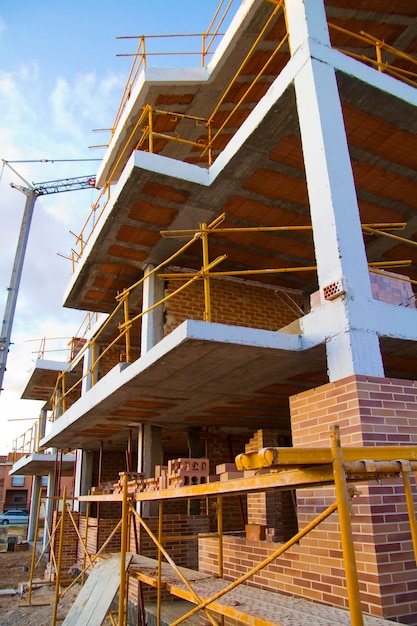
(31,192)
(64,184)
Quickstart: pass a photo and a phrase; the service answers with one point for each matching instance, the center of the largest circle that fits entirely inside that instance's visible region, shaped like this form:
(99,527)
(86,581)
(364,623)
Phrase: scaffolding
(270,469)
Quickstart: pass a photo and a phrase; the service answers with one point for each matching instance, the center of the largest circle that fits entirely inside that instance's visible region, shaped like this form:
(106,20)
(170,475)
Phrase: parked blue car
(14,517)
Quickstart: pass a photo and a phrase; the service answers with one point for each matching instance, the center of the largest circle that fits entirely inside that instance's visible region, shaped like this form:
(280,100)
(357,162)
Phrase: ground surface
(14,609)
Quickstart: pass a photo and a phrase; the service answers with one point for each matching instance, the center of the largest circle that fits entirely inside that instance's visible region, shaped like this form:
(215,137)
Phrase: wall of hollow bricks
(370,412)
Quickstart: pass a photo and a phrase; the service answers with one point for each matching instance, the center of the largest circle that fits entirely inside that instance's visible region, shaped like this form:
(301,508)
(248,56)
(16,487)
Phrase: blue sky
(60,78)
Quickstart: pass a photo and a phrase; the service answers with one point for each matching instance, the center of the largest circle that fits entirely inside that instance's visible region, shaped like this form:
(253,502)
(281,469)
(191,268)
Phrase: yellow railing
(73,344)
(28,443)
(140,56)
(145,126)
(379,46)
(124,311)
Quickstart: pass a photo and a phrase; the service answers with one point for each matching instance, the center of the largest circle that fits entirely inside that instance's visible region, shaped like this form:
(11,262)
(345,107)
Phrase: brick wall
(370,412)
(232,302)
(386,288)
(69,549)
(98,533)
(115,355)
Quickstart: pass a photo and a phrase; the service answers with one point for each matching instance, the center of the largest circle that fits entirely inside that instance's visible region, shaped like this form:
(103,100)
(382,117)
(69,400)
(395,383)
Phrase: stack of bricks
(271,515)
(161,473)
(228,471)
(136,481)
(385,288)
(183,472)
(392,290)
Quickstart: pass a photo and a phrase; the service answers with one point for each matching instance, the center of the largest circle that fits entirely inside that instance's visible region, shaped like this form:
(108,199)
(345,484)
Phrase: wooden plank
(93,602)
(246,604)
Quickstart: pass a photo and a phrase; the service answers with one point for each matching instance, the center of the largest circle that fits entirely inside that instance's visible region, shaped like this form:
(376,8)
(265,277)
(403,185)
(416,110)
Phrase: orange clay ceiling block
(150,213)
(391,7)
(402,251)
(262,214)
(374,135)
(234,120)
(165,123)
(104,282)
(381,30)
(165,192)
(250,260)
(219,143)
(376,213)
(100,296)
(259,59)
(278,30)
(278,186)
(289,151)
(123,252)
(376,180)
(174,99)
(138,236)
(148,404)
(275,243)
(250,95)
(118,270)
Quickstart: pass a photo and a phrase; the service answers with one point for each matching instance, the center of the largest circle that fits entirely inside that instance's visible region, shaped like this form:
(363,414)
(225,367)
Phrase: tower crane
(32,192)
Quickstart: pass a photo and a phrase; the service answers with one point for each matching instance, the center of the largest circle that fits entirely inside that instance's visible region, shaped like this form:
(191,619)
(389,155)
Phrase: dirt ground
(14,609)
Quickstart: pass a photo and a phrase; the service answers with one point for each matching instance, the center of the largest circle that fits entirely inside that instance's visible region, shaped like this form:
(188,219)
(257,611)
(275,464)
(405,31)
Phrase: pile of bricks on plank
(178,473)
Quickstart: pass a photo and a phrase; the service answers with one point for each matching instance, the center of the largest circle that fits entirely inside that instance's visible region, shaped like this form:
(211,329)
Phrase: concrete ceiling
(262,185)
(189,381)
(40,464)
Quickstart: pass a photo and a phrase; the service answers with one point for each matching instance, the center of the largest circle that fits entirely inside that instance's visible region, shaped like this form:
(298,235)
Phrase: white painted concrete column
(152,322)
(149,455)
(36,494)
(84,464)
(150,437)
(83,480)
(338,240)
(49,508)
(87,382)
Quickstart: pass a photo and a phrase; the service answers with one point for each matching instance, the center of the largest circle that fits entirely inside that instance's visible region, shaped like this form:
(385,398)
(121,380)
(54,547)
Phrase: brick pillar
(370,412)
(271,515)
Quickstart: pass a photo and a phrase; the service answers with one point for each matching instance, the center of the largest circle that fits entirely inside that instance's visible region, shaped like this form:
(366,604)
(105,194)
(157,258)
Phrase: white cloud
(86,102)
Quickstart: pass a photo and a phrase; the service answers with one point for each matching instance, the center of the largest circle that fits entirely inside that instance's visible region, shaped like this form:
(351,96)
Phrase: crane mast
(31,192)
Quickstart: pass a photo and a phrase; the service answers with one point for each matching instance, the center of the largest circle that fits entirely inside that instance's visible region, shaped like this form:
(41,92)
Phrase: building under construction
(252,260)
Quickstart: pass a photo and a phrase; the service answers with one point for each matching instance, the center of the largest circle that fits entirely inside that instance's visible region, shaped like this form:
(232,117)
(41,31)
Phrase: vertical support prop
(87,517)
(35,541)
(159,596)
(206,278)
(123,550)
(346,530)
(127,326)
(220,543)
(59,561)
(405,471)
(220,534)
(93,362)
(150,128)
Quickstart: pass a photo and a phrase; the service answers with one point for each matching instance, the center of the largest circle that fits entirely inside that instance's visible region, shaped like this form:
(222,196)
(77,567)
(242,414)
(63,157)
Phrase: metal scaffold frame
(279,469)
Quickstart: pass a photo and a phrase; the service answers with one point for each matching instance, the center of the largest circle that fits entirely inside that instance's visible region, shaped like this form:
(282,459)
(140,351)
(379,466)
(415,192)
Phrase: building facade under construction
(251,262)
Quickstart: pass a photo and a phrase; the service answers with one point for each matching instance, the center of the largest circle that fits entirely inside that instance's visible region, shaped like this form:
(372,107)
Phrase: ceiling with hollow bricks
(264,185)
